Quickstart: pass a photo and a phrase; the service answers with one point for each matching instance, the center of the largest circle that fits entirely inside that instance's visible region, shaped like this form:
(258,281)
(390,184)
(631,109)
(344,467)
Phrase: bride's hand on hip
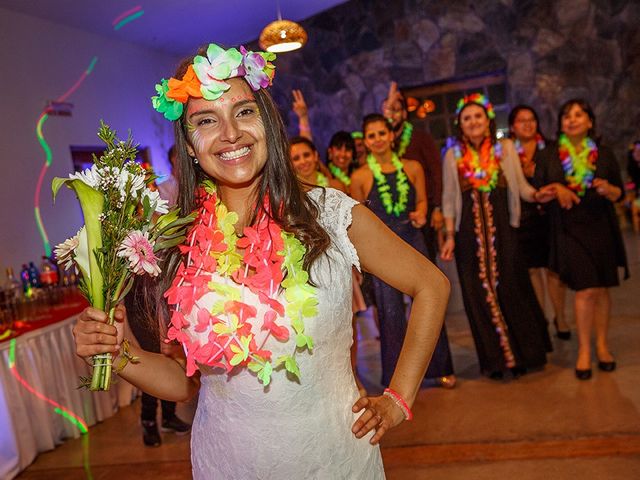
(380,413)
(94,336)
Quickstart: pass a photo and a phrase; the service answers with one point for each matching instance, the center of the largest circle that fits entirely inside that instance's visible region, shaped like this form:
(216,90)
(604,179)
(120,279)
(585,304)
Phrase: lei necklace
(480,168)
(339,174)
(524,161)
(579,168)
(321,179)
(264,260)
(405,138)
(402,185)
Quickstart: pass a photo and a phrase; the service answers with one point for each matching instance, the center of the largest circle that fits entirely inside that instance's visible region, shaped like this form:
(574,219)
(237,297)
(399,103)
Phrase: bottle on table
(26,283)
(34,276)
(49,280)
(13,293)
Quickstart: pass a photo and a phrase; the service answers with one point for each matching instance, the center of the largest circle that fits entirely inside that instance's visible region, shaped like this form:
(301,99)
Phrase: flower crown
(479,99)
(205,78)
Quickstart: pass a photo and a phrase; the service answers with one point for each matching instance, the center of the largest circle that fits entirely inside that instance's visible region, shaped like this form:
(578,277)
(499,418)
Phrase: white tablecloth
(46,360)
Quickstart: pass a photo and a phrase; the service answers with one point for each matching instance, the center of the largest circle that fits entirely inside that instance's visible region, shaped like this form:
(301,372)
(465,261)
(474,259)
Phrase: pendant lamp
(282,35)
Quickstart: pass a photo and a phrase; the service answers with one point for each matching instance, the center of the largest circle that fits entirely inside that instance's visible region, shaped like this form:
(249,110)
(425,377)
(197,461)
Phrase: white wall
(40,61)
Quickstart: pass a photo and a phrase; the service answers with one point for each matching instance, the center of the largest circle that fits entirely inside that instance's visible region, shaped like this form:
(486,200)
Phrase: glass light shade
(282,36)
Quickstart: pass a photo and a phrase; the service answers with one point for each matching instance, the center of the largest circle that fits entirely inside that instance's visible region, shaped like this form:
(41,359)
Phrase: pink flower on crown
(217,66)
(138,250)
(258,71)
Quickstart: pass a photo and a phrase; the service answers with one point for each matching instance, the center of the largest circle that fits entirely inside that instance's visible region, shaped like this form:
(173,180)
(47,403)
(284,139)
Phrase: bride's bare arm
(389,258)
(156,374)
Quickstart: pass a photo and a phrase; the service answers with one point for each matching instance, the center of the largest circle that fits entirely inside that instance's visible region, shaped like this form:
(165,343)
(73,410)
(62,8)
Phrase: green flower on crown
(171,109)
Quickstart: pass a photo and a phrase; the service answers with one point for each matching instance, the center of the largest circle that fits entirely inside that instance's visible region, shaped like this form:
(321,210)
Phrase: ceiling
(172,26)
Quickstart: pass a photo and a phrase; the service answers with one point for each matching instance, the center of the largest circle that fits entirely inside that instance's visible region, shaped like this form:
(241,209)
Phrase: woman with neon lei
(482,187)
(533,232)
(394,190)
(305,160)
(260,293)
(341,158)
(586,243)
(304,157)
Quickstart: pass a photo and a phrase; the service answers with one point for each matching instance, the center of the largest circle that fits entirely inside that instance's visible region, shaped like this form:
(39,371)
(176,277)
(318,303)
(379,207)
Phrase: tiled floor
(546,425)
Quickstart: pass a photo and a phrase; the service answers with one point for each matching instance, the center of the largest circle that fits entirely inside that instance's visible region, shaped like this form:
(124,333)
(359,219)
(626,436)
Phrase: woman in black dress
(586,243)
(533,233)
(394,190)
(482,187)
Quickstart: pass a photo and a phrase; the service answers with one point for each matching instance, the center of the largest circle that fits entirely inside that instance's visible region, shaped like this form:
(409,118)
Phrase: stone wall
(551,50)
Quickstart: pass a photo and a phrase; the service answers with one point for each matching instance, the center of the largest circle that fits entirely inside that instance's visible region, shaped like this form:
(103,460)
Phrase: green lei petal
(402,185)
(322,180)
(339,174)
(405,138)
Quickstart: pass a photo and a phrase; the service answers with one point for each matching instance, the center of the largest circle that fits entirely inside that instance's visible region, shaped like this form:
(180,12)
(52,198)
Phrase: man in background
(414,144)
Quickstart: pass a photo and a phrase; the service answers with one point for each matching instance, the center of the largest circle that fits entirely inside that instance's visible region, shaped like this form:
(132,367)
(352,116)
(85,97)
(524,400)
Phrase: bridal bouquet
(126,224)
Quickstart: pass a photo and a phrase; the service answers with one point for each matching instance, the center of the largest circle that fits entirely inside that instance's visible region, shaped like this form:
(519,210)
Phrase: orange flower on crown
(189,86)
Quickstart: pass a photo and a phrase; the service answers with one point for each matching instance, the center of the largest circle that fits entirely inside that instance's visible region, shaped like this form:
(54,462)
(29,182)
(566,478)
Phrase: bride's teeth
(234,154)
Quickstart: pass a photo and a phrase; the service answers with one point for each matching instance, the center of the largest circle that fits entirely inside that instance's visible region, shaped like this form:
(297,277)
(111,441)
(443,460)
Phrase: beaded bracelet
(398,400)
(125,357)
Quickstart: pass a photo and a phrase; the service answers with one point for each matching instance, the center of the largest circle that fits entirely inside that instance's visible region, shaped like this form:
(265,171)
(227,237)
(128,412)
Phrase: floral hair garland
(405,138)
(269,259)
(579,168)
(480,167)
(205,78)
(402,185)
(478,99)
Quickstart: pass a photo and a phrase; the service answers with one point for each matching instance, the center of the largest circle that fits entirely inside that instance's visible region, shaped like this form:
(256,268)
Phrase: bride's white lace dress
(292,430)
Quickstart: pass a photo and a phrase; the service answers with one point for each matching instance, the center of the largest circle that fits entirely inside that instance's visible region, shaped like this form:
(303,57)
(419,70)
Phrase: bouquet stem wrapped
(126,225)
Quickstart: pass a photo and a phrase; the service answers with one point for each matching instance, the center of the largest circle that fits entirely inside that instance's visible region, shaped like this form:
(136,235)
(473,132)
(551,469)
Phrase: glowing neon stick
(128,19)
(48,156)
(119,18)
(74,420)
(85,456)
(59,409)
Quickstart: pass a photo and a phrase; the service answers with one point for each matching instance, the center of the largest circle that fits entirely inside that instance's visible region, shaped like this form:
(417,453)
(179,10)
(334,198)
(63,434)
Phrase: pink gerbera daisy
(139,251)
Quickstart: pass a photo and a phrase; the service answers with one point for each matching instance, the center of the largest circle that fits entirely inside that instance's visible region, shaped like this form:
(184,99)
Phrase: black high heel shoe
(583,374)
(607,366)
(561,334)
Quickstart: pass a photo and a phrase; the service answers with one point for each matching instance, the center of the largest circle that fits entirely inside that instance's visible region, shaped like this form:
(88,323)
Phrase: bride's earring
(195,161)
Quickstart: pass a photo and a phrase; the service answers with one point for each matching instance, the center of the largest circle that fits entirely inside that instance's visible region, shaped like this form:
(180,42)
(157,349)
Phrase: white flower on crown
(217,66)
